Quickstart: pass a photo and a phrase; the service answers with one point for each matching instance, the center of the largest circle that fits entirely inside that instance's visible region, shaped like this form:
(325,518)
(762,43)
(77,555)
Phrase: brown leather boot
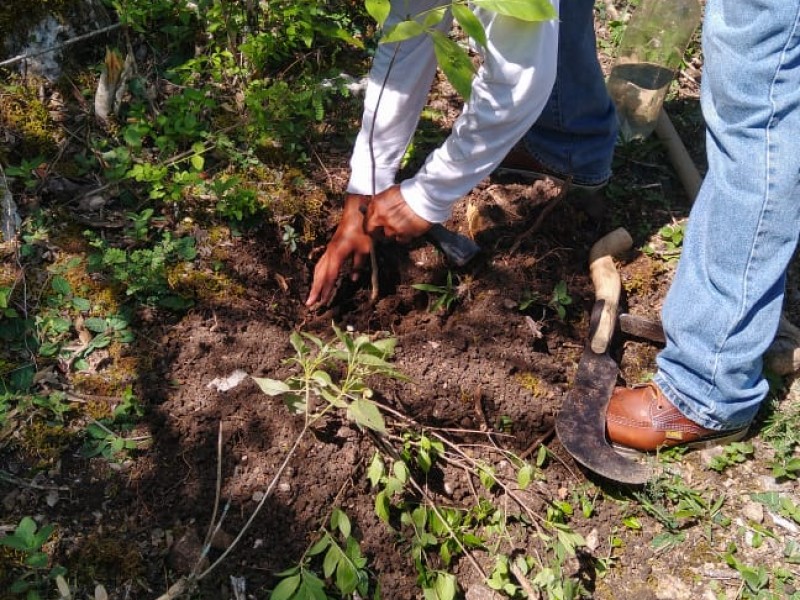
(643,419)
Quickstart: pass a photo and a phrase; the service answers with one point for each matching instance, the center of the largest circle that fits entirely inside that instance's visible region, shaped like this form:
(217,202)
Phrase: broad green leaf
(469,23)
(366,413)
(404,30)
(445,586)
(400,471)
(286,588)
(346,578)
(272,387)
(454,62)
(331,561)
(524,476)
(197,161)
(340,521)
(298,344)
(382,506)
(37,560)
(434,17)
(525,10)
(61,286)
(321,378)
(96,324)
(376,470)
(378,10)
(81,304)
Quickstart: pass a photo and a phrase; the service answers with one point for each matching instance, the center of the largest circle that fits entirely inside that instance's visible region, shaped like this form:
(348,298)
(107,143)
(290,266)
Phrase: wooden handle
(607,284)
(678,155)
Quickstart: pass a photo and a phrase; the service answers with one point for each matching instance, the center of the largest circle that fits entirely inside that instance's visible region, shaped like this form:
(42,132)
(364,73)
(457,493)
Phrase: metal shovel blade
(581,423)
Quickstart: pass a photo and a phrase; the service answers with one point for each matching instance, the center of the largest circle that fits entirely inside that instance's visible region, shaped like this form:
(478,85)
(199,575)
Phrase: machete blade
(581,423)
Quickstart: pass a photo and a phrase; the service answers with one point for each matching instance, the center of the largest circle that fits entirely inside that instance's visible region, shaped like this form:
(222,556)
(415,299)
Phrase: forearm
(508,95)
(392,105)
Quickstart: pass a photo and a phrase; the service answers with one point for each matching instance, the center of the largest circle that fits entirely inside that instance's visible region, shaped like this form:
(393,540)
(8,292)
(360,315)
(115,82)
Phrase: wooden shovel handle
(607,284)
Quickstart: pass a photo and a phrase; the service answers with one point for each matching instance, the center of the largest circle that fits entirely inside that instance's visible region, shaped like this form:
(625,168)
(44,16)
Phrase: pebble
(672,588)
(754,512)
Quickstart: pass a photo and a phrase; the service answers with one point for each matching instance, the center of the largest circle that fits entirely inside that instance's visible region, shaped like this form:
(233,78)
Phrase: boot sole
(727,437)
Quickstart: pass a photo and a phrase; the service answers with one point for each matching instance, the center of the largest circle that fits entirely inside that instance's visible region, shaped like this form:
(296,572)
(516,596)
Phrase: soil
(483,372)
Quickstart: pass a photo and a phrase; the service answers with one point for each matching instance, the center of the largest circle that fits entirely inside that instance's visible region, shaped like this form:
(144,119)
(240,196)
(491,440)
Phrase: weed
(668,248)
(560,299)
(29,574)
(732,454)
(446,295)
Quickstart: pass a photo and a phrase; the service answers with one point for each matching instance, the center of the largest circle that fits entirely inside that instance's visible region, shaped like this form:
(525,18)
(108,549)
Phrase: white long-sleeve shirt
(508,95)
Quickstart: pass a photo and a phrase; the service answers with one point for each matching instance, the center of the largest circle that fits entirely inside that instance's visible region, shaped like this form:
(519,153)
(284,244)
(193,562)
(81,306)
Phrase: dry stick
(210,532)
(543,215)
(373,259)
(69,42)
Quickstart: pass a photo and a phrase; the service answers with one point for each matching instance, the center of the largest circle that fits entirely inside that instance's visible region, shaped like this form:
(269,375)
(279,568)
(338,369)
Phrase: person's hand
(390,212)
(349,240)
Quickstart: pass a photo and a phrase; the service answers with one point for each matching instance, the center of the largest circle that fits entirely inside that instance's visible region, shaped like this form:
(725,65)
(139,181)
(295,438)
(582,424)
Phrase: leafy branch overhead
(452,58)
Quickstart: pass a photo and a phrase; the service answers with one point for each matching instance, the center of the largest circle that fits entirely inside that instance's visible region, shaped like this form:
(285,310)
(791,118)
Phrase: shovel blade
(581,423)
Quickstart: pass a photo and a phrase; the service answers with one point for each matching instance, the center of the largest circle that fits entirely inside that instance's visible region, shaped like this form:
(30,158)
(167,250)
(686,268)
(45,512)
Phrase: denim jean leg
(723,307)
(576,132)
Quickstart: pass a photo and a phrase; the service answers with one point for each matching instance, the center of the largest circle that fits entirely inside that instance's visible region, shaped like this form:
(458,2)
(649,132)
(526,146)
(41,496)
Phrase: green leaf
(366,413)
(96,324)
(455,63)
(320,546)
(272,387)
(434,17)
(346,578)
(525,476)
(469,23)
(525,10)
(376,469)
(286,588)
(81,304)
(404,30)
(378,10)
(445,586)
(340,521)
(331,561)
(61,286)
(381,506)
(197,161)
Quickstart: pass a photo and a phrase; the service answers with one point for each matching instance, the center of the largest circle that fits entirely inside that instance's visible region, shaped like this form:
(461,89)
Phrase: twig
(537,442)
(6,476)
(543,215)
(523,581)
(373,259)
(69,42)
(217,493)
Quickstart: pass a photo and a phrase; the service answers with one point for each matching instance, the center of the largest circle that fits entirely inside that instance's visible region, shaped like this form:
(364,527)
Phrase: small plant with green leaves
(445,295)
(343,567)
(356,359)
(30,574)
(289,239)
(732,454)
(560,299)
(670,242)
(106,437)
(781,431)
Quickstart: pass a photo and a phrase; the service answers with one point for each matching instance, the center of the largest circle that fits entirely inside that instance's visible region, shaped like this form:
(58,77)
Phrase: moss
(45,441)
(531,383)
(104,558)
(22,113)
(113,379)
(204,285)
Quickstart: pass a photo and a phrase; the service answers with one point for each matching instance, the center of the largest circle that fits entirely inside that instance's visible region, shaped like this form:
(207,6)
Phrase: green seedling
(560,299)
(32,575)
(670,243)
(446,295)
(732,454)
(290,238)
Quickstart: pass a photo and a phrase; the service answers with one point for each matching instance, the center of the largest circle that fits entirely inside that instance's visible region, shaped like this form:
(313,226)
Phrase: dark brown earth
(485,374)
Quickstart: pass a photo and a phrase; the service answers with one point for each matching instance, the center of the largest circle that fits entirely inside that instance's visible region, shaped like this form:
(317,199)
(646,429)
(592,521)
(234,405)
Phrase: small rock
(593,540)
(709,454)
(185,553)
(672,588)
(753,511)
(284,487)
(51,498)
(258,496)
(100,593)
(222,540)
(481,592)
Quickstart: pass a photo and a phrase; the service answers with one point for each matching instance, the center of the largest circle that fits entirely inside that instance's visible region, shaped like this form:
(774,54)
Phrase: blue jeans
(576,132)
(723,307)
